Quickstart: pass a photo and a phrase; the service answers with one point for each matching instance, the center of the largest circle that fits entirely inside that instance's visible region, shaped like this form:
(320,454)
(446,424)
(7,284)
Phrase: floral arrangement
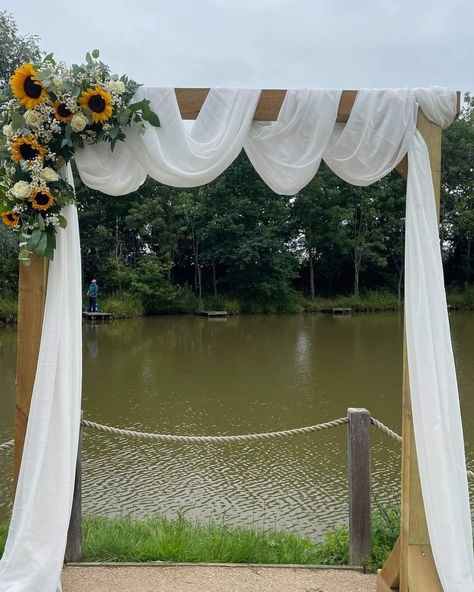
(49,111)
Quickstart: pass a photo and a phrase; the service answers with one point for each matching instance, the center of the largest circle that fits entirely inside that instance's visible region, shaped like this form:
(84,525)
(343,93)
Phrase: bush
(122,305)
(461,299)
(8,309)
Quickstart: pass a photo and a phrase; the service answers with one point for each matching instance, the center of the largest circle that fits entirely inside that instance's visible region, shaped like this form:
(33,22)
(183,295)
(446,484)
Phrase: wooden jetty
(212,314)
(337,311)
(97,316)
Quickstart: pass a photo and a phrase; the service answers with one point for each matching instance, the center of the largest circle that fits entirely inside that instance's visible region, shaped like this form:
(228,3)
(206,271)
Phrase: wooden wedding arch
(410,567)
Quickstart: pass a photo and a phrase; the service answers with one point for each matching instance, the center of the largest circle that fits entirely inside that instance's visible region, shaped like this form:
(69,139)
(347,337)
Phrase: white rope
(7,445)
(213,439)
(386,430)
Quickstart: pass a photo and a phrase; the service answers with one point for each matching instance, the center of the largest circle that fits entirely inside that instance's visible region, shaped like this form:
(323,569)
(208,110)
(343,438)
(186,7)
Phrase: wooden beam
(358,462)
(31,297)
(191,100)
(417,570)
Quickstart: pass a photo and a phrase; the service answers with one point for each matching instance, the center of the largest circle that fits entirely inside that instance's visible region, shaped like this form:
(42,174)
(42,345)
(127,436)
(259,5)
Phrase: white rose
(58,82)
(79,122)
(21,190)
(48,174)
(32,118)
(116,86)
(8,130)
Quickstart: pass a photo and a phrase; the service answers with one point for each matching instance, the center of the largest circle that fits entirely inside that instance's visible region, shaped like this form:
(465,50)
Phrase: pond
(190,375)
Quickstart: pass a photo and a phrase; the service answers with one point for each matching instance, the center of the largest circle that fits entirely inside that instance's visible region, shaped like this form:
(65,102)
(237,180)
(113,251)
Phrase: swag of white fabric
(286,153)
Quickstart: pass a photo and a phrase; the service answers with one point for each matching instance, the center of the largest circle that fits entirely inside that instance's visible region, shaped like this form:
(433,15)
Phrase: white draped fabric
(36,542)
(286,153)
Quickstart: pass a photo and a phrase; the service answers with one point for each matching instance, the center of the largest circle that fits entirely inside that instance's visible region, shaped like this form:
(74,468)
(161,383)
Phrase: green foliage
(461,299)
(122,305)
(8,309)
(180,540)
(15,49)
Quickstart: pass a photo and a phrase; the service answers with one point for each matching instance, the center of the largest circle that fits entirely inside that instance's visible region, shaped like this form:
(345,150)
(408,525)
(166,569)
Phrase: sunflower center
(41,198)
(63,111)
(32,88)
(96,103)
(28,152)
(11,217)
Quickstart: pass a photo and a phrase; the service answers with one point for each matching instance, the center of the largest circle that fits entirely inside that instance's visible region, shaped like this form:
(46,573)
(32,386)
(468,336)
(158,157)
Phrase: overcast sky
(264,43)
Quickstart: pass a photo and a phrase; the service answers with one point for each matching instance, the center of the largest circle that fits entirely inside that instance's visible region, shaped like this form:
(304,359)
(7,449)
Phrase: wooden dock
(212,314)
(97,316)
(337,311)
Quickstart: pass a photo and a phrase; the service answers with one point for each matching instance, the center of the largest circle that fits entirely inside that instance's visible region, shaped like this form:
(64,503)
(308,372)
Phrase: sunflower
(61,112)
(99,102)
(27,148)
(10,219)
(41,199)
(26,87)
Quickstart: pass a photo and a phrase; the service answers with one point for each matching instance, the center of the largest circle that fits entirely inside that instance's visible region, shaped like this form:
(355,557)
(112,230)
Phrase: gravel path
(212,579)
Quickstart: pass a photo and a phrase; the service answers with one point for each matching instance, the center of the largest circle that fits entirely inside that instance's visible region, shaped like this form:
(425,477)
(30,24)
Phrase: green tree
(15,49)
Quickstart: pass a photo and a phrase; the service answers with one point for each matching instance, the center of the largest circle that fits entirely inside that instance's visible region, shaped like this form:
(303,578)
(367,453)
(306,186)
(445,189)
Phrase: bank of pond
(128,305)
(157,538)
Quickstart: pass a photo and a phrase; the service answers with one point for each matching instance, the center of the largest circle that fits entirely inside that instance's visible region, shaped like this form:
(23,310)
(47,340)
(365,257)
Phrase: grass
(369,301)
(122,306)
(181,540)
(461,299)
(8,309)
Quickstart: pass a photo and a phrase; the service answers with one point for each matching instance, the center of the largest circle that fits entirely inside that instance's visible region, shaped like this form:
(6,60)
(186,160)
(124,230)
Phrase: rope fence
(169,438)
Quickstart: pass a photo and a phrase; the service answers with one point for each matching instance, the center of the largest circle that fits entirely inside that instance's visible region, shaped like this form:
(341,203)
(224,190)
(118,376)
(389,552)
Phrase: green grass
(122,306)
(8,309)
(181,540)
(369,301)
(461,299)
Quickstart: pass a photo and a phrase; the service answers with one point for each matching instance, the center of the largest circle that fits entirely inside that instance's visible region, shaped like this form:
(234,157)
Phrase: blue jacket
(93,290)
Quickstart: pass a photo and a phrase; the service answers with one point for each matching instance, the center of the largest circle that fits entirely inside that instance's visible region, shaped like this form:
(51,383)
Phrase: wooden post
(31,297)
(74,533)
(358,451)
(411,567)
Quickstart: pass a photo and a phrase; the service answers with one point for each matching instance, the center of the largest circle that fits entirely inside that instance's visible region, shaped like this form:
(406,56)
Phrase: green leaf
(95,53)
(42,244)
(40,221)
(24,257)
(89,59)
(151,117)
(44,74)
(34,239)
(17,121)
(50,58)
(139,105)
(62,221)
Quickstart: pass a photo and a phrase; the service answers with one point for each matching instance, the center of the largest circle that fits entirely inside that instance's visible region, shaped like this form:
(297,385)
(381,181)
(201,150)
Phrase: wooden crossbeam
(191,100)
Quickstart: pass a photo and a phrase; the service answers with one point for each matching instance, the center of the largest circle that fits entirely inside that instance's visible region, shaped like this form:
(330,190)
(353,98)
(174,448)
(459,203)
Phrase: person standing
(92,293)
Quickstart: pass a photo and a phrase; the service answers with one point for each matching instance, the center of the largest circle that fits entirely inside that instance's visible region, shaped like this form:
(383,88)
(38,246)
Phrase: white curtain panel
(36,542)
(286,153)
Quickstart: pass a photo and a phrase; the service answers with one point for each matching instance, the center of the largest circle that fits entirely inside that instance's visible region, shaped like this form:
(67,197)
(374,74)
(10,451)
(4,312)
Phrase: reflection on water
(186,375)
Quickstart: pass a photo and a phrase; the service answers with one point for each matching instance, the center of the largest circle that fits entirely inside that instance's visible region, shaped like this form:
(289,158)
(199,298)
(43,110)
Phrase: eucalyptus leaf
(42,244)
(62,221)
(95,53)
(34,239)
(44,74)
(40,221)
(17,121)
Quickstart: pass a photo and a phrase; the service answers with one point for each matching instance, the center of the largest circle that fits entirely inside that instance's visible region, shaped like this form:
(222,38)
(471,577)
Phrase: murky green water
(188,375)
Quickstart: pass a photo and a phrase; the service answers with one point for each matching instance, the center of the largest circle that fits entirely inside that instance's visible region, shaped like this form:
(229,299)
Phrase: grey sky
(264,43)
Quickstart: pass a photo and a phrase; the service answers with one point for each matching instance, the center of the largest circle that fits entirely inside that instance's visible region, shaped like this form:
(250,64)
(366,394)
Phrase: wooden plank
(358,450)
(190,102)
(388,578)
(31,297)
(74,533)
(422,576)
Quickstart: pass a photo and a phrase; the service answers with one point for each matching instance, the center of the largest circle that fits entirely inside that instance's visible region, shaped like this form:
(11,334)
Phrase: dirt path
(150,578)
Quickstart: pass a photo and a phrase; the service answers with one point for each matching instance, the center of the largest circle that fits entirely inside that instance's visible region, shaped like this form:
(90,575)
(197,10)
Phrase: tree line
(236,238)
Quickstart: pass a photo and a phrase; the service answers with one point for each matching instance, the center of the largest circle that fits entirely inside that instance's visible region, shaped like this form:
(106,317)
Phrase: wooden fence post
(74,533)
(358,451)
